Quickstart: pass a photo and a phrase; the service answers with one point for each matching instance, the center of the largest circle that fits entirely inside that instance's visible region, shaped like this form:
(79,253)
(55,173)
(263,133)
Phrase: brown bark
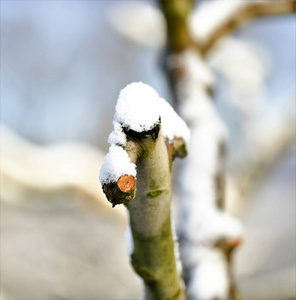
(253,9)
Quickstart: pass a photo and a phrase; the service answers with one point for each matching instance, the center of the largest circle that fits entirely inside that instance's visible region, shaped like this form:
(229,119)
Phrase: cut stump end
(126,183)
(235,242)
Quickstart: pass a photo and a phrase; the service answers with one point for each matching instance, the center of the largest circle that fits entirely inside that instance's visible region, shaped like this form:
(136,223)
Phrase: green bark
(153,258)
(176,14)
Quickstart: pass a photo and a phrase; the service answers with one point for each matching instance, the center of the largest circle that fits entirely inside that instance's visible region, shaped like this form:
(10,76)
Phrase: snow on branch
(139,113)
(217,18)
(117,164)
(146,137)
(144,24)
(206,232)
(139,22)
(137,107)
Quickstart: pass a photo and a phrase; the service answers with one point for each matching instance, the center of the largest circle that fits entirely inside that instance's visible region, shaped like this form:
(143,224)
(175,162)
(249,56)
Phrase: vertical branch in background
(207,234)
(176,13)
(147,135)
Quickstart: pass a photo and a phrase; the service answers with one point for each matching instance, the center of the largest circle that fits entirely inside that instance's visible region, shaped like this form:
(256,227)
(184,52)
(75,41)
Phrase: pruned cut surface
(126,183)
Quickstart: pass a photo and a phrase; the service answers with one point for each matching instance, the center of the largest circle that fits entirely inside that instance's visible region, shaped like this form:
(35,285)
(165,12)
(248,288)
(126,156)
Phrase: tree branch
(219,18)
(153,257)
(147,142)
(206,233)
(176,13)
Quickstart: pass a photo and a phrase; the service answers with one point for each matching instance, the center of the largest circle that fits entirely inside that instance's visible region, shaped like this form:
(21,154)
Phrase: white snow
(197,71)
(201,223)
(176,248)
(139,22)
(144,24)
(209,280)
(117,136)
(245,66)
(137,107)
(212,15)
(200,219)
(211,226)
(116,164)
(171,124)
(129,242)
(140,108)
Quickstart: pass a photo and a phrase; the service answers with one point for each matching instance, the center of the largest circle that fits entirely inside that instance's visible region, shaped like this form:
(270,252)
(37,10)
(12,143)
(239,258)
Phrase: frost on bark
(147,136)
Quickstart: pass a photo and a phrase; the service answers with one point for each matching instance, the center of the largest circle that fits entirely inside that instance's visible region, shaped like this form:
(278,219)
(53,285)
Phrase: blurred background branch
(205,231)
(218,18)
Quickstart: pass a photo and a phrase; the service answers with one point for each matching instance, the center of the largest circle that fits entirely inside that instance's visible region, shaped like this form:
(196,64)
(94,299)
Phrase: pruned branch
(147,135)
(218,18)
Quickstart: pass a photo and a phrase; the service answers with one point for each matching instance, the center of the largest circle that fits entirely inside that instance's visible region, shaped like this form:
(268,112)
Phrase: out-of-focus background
(62,66)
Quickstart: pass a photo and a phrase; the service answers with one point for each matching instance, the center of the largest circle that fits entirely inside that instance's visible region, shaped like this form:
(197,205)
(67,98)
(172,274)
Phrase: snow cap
(172,125)
(137,107)
(117,163)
